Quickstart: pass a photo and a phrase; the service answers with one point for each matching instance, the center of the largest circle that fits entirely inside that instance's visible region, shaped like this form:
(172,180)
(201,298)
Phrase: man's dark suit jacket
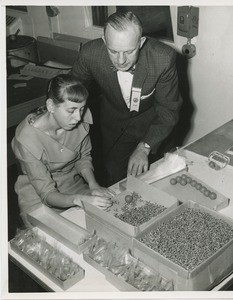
(155,73)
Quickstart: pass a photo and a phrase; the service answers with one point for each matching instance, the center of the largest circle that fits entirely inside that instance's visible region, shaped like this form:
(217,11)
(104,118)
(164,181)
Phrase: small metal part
(218,160)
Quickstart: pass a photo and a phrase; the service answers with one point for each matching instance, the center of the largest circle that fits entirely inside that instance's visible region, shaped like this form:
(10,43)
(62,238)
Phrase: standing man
(140,98)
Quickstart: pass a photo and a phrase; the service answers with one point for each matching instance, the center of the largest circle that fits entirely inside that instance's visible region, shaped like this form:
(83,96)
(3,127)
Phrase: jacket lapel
(139,78)
(141,71)
(109,69)
(116,88)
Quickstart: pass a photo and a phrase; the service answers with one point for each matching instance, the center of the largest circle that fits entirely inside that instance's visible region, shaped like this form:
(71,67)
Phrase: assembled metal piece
(218,160)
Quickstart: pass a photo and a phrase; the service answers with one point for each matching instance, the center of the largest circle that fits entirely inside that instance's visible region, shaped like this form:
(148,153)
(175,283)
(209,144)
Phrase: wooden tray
(187,192)
(118,281)
(66,284)
(68,233)
(147,193)
(203,277)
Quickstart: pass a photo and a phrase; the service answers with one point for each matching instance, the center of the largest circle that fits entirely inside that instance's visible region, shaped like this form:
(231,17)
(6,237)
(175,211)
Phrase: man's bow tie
(131,71)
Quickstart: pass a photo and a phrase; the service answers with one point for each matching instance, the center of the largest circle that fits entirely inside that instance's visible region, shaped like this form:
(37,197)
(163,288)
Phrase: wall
(210,72)
(72,20)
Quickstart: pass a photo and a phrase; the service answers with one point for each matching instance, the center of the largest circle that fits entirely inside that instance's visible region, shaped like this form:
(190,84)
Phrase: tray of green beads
(192,245)
(185,186)
(134,209)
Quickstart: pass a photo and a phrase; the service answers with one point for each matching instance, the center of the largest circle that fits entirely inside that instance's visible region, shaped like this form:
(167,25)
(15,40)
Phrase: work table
(196,155)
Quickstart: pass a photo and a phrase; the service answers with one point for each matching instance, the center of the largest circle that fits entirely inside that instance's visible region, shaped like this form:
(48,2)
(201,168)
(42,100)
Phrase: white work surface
(94,281)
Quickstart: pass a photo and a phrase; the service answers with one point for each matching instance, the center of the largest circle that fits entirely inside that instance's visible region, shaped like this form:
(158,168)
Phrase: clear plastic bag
(121,263)
(47,256)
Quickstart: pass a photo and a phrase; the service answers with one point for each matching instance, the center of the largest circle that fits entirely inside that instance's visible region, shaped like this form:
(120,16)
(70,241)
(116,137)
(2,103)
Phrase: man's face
(123,46)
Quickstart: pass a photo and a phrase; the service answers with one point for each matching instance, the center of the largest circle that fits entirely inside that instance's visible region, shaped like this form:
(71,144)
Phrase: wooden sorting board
(187,192)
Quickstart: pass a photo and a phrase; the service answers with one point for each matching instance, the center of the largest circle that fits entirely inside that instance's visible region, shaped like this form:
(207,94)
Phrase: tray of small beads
(121,269)
(185,186)
(134,209)
(47,257)
(71,235)
(192,245)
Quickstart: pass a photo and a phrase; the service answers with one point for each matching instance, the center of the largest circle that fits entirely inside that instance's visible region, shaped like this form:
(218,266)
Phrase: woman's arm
(64,201)
(85,168)
(95,188)
(41,180)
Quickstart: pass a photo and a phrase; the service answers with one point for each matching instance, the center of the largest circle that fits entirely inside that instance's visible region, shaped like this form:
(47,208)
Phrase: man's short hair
(121,20)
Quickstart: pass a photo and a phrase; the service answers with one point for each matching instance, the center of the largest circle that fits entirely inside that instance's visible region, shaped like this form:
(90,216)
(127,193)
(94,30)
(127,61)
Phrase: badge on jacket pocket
(135,99)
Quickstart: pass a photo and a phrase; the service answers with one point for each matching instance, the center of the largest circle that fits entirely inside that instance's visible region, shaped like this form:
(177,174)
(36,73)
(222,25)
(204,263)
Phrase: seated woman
(53,148)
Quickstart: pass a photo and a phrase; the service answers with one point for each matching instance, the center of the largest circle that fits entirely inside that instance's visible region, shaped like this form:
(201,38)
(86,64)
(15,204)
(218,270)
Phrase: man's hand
(138,162)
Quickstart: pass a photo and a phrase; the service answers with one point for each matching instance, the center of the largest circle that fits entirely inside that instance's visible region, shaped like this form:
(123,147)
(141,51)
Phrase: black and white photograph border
(25,276)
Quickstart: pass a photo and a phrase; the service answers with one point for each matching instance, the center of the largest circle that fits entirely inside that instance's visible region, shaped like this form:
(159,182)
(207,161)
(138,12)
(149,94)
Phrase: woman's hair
(121,20)
(63,87)
(66,87)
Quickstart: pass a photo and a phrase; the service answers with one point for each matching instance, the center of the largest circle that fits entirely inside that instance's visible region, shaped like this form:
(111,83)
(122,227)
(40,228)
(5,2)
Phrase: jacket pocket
(147,96)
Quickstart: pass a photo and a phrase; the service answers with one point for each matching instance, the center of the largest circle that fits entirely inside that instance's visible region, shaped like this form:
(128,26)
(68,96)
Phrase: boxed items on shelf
(68,233)
(122,269)
(47,258)
(192,245)
(186,186)
(132,211)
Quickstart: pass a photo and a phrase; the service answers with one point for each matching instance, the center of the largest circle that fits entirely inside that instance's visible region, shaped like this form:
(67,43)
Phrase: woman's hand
(98,201)
(102,192)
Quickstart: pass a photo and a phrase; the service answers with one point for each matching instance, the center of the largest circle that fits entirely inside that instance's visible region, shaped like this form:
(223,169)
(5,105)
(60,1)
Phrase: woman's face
(68,114)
